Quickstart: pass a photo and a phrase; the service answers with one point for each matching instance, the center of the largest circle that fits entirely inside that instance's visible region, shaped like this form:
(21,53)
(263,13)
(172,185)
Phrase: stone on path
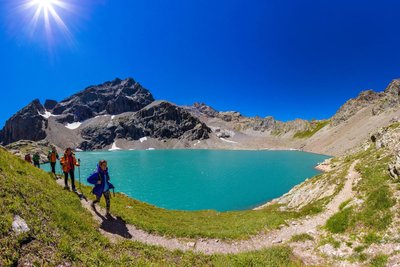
(19,225)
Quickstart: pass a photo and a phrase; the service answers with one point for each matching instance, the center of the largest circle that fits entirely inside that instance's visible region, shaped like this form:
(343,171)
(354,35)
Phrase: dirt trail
(115,228)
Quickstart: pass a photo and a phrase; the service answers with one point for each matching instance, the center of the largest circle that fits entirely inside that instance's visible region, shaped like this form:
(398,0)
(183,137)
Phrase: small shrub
(330,240)
(359,249)
(301,238)
(380,198)
(339,222)
(371,238)
(344,204)
(379,261)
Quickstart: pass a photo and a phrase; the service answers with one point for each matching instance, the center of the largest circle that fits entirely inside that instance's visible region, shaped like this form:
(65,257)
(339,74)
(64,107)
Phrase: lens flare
(46,13)
(43,3)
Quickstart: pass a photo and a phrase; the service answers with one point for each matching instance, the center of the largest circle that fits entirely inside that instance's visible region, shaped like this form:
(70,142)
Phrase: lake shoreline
(151,176)
(323,167)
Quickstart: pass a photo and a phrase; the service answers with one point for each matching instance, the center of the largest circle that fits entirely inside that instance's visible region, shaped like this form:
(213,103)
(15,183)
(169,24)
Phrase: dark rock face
(27,124)
(164,120)
(113,98)
(161,120)
(50,104)
(97,137)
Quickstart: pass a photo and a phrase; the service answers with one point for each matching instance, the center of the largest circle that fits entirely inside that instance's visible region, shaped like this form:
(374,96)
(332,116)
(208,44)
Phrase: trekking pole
(80,185)
(61,171)
(79,174)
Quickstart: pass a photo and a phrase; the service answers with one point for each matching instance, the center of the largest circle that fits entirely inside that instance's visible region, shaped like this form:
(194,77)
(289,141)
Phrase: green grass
(208,223)
(374,214)
(372,238)
(301,238)
(340,221)
(379,261)
(187,224)
(344,204)
(394,125)
(62,231)
(315,127)
(330,240)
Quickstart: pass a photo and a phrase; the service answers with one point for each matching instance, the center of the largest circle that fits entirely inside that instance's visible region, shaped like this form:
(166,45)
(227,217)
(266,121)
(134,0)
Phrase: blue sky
(288,59)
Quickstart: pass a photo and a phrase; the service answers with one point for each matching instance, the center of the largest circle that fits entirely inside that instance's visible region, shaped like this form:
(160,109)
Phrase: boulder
(19,225)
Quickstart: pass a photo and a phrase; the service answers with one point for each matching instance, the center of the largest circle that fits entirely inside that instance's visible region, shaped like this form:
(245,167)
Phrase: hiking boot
(66,187)
(108,213)
(74,189)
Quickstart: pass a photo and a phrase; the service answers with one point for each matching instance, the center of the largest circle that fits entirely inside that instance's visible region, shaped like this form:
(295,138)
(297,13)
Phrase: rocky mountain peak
(352,106)
(50,104)
(113,97)
(160,120)
(393,88)
(205,109)
(28,123)
(34,106)
(390,98)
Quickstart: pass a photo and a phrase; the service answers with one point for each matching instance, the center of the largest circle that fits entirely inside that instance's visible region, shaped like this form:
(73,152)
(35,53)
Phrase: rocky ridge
(242,123)
(161,120)
(380,101)
(115,97)
(139,117)
(26,124)
(123,110)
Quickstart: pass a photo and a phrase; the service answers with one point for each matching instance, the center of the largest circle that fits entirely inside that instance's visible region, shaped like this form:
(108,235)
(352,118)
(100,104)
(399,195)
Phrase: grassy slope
(316,126)
(62,231)
(211,224)
(368,221)
(374,214)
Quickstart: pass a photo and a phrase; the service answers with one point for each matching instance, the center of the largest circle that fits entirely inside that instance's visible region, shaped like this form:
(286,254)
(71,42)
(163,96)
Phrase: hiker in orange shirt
(68,162)
(53,157)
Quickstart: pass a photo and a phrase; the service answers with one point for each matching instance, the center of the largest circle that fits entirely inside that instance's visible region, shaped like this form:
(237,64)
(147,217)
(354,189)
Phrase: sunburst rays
(46,15)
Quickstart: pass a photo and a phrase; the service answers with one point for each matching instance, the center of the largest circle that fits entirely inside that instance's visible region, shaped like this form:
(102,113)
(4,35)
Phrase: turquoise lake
(203,179)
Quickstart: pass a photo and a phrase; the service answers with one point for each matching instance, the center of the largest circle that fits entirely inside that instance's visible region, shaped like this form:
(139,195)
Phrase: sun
(45,4)
(46,14)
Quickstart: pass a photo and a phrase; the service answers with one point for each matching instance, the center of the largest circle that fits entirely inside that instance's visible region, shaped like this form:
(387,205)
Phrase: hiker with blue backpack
(101,180)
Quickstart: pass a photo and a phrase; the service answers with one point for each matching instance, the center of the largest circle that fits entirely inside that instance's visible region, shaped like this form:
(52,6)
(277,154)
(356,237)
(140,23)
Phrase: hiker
(53,157)
(68,162)
(100,178)
(36,160)
(28,158)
